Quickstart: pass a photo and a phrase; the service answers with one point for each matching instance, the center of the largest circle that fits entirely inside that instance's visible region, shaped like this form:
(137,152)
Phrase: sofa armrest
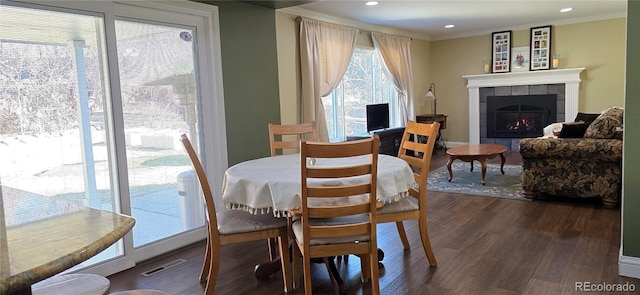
(595,150)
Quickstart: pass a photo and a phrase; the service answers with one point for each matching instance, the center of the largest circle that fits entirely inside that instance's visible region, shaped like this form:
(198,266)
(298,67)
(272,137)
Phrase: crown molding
(352,23)
(387,30)
(559,22)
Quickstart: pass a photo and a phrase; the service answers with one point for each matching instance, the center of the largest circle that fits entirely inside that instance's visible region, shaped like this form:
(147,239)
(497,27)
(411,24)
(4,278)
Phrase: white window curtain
(325,53)
(396,54)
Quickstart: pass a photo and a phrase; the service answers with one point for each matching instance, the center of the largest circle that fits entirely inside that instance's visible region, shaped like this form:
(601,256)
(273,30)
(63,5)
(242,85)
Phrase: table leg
(439,144)
(334,275)
(451,158)
(502,163)
(264,270)
(483,161)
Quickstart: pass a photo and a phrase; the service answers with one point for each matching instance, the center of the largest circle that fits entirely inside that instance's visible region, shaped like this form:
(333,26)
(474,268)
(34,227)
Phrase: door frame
(211,115)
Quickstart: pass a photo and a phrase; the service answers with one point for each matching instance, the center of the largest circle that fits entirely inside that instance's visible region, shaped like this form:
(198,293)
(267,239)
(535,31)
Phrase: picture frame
(501,52)
(540,55)
(520,59)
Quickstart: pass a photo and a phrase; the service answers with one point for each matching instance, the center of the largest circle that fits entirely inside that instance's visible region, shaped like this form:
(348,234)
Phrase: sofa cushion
(605,125)
(586,118)
(573,130)
(574,149)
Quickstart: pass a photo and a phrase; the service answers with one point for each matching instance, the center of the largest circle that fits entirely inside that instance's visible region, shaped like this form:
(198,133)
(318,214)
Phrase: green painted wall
(250,77)
(631,185)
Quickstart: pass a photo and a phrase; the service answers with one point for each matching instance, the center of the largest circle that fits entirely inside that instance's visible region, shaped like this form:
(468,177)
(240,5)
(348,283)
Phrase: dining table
(41,236)
(272,185)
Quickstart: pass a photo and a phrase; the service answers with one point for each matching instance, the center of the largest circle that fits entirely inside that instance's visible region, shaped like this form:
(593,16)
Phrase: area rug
(464,181)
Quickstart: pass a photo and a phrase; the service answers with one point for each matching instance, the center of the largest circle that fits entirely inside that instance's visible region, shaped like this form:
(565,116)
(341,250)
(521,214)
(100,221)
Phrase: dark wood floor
(483,245)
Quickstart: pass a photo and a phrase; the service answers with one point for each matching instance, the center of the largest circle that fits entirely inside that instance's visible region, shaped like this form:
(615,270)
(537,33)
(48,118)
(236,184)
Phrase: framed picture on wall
(540,48)
(501,52)
(520,59)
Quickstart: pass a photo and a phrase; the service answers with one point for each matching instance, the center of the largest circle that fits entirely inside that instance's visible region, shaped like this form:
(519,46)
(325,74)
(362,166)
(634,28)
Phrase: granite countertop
(42,236)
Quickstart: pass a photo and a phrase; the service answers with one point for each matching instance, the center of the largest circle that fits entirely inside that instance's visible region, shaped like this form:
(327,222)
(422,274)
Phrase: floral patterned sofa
(588,167)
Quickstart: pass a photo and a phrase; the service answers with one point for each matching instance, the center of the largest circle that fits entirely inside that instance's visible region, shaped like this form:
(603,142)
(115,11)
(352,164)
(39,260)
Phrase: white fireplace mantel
(569,77)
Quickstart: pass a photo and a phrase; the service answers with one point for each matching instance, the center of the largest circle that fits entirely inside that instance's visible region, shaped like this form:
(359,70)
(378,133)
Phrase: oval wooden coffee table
(473,152)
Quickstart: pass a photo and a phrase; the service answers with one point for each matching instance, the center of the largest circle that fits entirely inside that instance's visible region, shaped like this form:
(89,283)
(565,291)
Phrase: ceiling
(426,19)
(277,3)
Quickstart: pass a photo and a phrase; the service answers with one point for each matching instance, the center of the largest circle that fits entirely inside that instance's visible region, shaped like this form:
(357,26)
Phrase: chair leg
(375,276)
(403,235)
(337,282)
(306,264)
(272,246)
(214,267)
(365,266)
(204,273)
(283,240)
(426,244)
(296,265)
(339,258)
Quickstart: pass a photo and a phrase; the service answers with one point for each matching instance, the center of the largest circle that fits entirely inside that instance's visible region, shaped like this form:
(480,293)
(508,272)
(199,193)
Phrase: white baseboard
(629,266)
(451,144)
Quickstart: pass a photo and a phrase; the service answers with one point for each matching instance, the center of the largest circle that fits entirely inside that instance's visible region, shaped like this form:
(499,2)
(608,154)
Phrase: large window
(93,100)
(364,83)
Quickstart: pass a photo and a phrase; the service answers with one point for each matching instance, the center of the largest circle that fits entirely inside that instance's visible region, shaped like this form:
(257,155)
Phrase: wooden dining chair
(290,136)
(417,151)
(287,137)
(235,226)
(340,218)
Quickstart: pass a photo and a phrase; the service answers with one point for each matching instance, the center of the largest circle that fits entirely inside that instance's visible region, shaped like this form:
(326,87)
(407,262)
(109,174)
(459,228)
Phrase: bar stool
(72,284)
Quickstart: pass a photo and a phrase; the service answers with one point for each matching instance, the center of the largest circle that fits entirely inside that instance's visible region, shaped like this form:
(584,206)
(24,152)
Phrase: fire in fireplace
(519,116)
(521,124)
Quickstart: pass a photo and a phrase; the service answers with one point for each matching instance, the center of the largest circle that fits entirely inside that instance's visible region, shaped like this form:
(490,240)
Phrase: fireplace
(519,116)
(565,81)
(510,113)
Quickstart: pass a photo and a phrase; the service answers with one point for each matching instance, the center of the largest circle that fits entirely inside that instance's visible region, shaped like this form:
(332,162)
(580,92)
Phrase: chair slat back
(204,184)
(416,148)
(290,136)
(357,199)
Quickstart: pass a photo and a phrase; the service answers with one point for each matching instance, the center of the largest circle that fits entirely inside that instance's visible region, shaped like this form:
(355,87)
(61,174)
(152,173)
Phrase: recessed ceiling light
(566,9)
(449,26)
(372,3)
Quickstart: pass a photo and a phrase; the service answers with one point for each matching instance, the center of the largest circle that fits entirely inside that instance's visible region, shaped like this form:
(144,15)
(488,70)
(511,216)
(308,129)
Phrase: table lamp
(432,96)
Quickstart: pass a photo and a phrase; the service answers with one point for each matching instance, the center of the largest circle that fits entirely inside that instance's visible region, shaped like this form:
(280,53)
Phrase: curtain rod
(299,19)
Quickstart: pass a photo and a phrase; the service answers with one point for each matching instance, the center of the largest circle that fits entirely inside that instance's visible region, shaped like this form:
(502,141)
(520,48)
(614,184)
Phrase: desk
(43,236)
(273,183)
(390,140)
(440,118)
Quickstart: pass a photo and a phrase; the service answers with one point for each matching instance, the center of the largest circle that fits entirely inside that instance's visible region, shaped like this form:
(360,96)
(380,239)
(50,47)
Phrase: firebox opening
(519,116)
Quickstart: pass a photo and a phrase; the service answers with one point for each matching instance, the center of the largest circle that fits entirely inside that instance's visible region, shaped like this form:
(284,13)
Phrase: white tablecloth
(273,183)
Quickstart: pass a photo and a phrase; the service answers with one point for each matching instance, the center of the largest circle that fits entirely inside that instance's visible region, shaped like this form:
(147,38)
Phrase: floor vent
(166,266)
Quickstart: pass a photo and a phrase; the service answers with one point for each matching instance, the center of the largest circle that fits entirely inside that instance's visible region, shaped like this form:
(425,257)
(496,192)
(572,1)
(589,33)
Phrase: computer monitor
(377,116)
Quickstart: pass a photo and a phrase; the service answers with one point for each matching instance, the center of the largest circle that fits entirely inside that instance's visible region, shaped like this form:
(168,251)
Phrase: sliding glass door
(92,104)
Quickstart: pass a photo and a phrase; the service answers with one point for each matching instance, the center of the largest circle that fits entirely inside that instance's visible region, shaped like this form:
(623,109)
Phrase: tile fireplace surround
(569,77)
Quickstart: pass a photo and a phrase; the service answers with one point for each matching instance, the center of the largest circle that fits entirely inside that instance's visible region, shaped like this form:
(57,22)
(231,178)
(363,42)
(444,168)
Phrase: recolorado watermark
(604,287)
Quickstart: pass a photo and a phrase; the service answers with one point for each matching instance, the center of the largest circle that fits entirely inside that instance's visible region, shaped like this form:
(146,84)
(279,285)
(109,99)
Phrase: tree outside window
(363,83)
